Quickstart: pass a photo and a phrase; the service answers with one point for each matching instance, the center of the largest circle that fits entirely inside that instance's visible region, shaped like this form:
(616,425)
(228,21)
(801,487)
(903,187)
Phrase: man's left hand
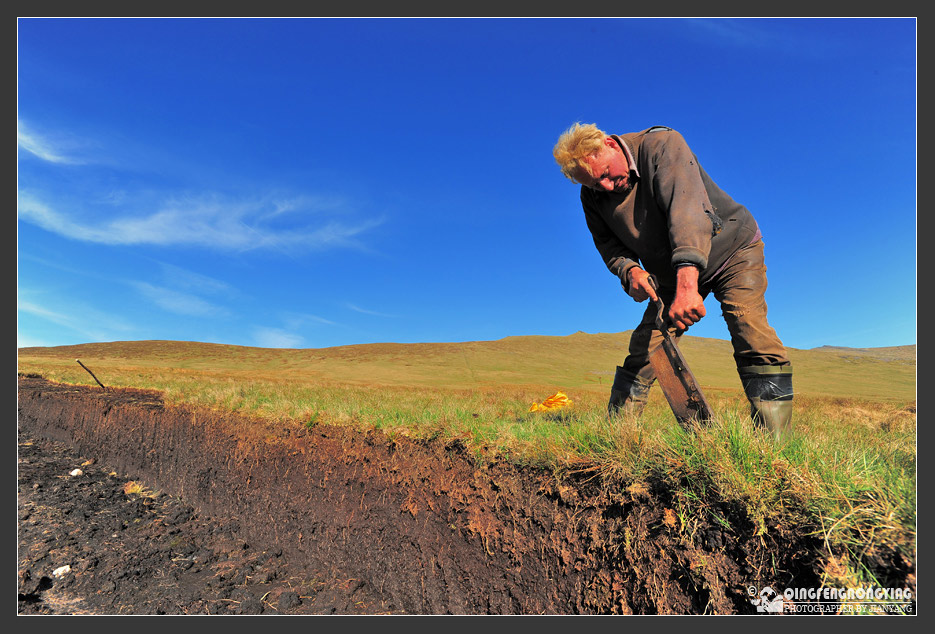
(688,306)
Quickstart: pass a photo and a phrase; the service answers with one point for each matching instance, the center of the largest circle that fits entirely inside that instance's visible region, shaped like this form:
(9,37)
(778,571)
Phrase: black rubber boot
(628,395)
(769,390)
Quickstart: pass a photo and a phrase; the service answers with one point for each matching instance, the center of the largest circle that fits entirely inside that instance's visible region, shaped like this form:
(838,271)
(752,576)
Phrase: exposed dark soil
(149,552)
(253,517)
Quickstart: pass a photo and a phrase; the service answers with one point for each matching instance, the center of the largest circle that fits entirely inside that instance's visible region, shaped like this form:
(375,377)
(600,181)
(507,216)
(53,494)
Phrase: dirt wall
(419,521)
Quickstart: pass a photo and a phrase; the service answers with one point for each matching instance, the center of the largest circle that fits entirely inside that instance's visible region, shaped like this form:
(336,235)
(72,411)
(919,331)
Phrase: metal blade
(679,385)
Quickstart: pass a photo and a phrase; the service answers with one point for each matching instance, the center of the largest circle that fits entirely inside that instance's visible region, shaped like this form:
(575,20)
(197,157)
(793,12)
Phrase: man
(652,209)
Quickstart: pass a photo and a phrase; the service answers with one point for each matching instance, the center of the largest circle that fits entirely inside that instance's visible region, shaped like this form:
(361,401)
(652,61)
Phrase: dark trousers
(740,288)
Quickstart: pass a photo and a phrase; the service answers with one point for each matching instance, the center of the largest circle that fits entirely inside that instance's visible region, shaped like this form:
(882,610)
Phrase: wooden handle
(91,373)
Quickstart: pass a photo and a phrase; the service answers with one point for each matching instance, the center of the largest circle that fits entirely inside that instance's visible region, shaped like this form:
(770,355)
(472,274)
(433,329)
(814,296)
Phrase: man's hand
(638,284)
(688,306)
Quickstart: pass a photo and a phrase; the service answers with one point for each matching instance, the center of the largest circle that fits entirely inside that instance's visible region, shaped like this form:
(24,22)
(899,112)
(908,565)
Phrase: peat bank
(337,520)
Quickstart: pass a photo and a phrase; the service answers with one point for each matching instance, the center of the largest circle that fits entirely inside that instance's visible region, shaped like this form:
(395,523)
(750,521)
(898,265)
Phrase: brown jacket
(672,213)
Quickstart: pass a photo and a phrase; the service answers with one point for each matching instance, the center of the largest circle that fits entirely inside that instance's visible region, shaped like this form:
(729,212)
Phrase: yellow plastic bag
(556,401)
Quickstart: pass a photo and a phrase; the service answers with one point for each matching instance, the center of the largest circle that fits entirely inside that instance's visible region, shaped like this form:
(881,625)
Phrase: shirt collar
(626,151)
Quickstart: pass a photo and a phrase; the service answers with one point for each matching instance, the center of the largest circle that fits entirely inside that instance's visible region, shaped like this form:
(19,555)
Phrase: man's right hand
(638,284)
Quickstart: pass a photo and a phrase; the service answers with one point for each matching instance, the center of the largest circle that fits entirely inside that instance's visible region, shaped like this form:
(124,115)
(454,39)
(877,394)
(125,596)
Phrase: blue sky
(306,183)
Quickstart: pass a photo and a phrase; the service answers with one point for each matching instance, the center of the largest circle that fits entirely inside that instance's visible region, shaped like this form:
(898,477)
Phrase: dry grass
(139,489)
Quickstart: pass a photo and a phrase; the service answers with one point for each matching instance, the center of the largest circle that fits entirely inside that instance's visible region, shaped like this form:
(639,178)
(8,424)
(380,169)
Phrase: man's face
(609,168)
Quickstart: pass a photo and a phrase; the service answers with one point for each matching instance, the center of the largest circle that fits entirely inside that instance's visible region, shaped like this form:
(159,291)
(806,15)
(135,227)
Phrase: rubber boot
(769,390)
(628,395)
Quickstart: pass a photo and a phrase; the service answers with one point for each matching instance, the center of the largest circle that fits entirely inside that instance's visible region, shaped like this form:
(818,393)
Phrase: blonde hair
(574,145)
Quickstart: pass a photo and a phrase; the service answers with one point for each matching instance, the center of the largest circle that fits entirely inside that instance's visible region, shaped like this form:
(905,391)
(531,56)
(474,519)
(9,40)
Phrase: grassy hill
(581,362)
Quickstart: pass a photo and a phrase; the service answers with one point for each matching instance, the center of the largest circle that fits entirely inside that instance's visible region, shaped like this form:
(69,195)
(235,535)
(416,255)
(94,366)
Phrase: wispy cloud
(368,312)
(207,221)
(287,336)
(175,277)
(762,33)
(41,147)
(178,302)
(58,266)
(743,33)
(295,321)
(282,207)
(179,277)
(92,324)
(276,338)
(26,341)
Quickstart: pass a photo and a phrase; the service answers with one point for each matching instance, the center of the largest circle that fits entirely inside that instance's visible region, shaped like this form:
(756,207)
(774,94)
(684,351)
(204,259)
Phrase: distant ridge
(882,352)
(886,353)
(578,361)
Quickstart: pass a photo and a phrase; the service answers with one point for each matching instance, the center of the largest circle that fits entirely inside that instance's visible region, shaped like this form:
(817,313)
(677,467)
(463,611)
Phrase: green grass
(847,474)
